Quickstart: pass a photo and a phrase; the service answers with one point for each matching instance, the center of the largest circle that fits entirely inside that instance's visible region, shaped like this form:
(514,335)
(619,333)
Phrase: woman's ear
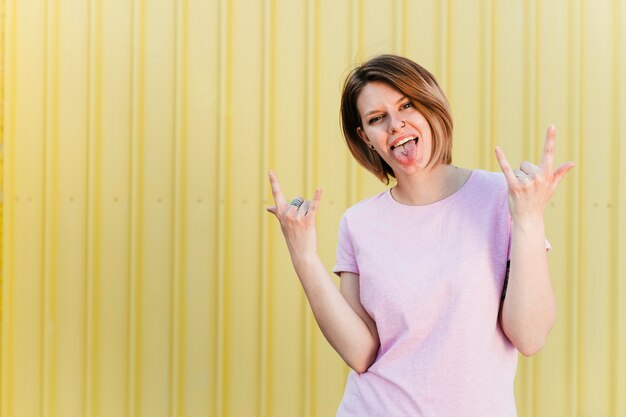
(363,136)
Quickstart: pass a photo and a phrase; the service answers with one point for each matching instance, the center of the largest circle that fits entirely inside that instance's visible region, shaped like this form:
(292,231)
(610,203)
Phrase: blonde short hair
(419,86)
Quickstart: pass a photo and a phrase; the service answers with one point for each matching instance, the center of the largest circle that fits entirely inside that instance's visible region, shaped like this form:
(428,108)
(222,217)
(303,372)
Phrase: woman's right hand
(296,223)
(338,316)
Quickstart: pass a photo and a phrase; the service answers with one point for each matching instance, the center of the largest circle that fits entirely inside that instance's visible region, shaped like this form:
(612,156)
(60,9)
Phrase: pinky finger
(315,203)
(563,169)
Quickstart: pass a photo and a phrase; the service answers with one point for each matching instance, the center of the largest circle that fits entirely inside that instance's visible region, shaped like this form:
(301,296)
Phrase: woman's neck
(429,186)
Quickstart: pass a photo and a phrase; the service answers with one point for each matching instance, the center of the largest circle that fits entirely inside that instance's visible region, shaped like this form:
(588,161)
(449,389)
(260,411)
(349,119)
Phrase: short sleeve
(346,260)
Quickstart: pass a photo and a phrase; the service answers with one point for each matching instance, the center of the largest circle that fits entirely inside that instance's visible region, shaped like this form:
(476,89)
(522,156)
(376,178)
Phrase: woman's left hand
(531,187)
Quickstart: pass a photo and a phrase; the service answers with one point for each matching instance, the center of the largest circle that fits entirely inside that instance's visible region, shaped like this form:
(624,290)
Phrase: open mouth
(403,141)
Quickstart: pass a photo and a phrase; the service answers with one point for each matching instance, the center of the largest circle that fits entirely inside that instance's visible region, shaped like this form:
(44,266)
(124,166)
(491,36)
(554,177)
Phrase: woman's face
(399,133)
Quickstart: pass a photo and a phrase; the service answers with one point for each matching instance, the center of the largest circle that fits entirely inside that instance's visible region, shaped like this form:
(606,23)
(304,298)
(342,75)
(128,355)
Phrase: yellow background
(141,275)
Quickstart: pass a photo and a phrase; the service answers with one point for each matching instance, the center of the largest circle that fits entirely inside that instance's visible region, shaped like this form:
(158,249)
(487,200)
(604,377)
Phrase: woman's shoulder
(367,206)
(489,176)
(488,180)
(488,192)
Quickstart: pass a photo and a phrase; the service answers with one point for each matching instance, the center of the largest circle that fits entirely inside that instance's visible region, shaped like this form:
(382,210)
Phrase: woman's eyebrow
(377,111)
(371,112)
(401,99)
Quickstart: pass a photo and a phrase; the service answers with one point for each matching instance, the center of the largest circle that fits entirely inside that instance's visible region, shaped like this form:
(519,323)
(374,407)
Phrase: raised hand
(531,187)
(297,220)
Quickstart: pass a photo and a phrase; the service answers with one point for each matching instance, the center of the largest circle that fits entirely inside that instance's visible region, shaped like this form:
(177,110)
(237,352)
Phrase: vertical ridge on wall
(2,187)
(310,177)
(464,91)
(42,197)
(8,131)
(266,393)
(492,86)
(572,293)
(50,180)
(576,126)
(265,264)
(2,157)
(620,204)
(613,161)
(222,318)
(444,34)
(2,196)
(484,84)
(399,29)
(486,81)
(92,207)
(215,109)
(356,24)
(178,275)
(613,205)
(136,207)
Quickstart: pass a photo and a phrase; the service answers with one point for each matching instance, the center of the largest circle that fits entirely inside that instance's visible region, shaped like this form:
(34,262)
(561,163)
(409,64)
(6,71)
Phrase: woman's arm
(339,314)
(529,308)
(336,312)
(350,289)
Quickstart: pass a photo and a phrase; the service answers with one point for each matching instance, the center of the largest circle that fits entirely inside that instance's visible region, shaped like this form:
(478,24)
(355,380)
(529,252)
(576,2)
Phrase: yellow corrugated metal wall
(141,275)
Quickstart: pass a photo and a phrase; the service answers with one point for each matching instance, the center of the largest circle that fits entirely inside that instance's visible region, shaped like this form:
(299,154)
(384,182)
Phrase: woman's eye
(407,105)
(375,119)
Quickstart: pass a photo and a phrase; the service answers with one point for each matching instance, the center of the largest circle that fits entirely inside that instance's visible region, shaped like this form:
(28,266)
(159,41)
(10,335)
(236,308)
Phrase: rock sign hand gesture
(297,219)
(530,187)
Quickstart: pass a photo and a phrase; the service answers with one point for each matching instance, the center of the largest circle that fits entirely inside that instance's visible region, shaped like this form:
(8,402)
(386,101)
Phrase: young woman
(421,314)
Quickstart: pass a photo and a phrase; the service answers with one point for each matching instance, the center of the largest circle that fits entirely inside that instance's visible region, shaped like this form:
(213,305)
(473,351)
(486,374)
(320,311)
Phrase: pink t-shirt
(431,277)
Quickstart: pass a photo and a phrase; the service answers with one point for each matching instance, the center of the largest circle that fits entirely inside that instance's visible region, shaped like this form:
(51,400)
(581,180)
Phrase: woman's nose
(395,124)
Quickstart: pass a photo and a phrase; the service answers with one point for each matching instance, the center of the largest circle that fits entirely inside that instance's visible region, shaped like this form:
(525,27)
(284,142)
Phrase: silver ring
(297,202)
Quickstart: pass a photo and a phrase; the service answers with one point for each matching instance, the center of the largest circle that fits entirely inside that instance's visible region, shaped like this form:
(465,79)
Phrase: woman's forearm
(341,325)
(529,309)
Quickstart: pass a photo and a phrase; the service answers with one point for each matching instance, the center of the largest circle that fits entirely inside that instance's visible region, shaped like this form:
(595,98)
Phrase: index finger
(277,193)
(547,158)
(511,179)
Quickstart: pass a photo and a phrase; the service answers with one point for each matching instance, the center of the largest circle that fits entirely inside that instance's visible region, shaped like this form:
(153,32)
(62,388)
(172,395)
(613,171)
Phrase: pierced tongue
(406,152)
